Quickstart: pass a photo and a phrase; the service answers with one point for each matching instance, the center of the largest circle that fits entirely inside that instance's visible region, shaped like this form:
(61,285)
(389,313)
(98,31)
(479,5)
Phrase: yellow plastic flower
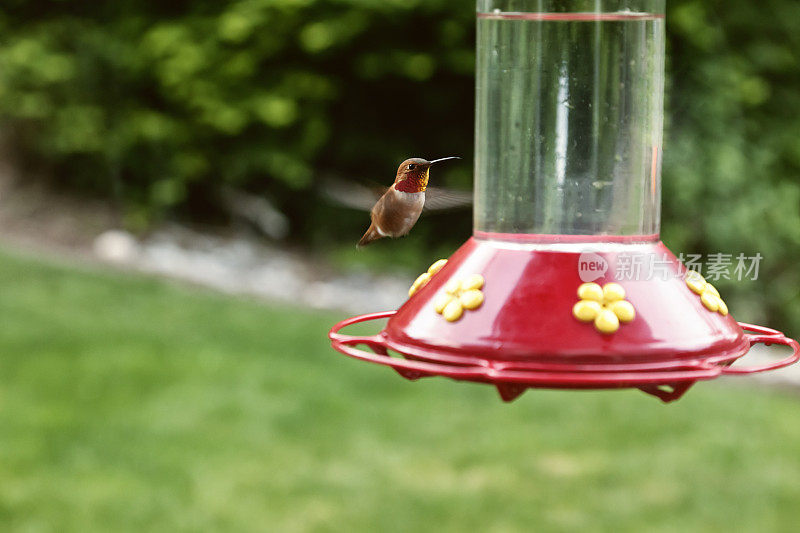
(459,295)
(425,277)
(709,294)
(605,306)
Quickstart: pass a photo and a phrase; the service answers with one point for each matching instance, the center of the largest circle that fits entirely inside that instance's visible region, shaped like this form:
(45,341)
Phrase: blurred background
(193,139)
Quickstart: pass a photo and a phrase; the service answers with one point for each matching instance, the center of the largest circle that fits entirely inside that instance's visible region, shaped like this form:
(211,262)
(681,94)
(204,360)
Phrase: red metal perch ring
(512,378)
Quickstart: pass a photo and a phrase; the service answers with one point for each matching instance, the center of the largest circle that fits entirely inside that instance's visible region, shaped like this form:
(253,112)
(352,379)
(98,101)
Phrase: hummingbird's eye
(411,166)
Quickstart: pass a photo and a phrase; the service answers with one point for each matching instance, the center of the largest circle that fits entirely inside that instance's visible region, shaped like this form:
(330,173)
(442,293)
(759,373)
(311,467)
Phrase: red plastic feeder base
(524,334)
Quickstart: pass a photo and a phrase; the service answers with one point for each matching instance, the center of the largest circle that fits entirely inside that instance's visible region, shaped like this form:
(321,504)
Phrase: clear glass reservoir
(569,116)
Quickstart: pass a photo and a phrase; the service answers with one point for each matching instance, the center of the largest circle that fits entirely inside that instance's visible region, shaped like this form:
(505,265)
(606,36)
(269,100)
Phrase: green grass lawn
(131,404)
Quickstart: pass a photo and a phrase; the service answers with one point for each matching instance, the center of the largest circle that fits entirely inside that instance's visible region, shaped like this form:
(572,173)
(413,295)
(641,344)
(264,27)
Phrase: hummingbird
(400,206)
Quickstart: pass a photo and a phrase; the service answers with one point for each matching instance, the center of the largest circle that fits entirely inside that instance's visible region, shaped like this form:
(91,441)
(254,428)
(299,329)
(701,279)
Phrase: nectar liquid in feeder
(569,118)
(569,113)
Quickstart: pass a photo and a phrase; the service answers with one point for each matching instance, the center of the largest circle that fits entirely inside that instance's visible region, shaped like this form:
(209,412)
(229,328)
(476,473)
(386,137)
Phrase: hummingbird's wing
(438,199)
(357,196)
(351,194)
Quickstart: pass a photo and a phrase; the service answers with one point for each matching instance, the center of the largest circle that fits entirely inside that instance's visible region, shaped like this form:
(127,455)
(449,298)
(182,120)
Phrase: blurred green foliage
(731,178)
(157,104)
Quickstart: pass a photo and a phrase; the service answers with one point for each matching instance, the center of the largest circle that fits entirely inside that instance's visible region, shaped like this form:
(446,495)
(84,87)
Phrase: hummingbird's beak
(444,159)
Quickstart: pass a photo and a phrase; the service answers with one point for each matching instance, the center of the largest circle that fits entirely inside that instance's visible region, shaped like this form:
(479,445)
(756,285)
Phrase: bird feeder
(565,282)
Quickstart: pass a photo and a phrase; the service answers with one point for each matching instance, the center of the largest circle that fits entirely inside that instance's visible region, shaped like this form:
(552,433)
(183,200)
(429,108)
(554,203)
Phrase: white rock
(117,246)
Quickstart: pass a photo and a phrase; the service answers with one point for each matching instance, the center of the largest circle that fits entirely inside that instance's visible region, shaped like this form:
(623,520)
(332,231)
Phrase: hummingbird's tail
(372,234)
